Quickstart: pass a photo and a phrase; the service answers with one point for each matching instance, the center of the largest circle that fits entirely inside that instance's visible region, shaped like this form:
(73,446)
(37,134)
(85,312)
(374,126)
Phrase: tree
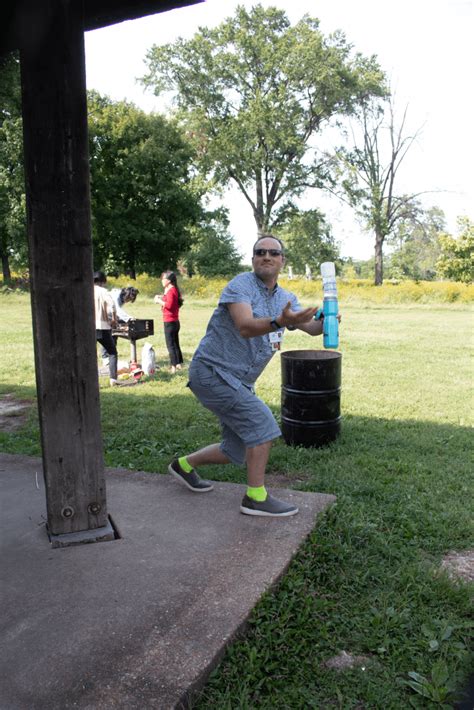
(416,242)
(255,92)
(213,252)
(13,238)
(308,240)
(457,254)
(142,197)
(356,268)
(369,179)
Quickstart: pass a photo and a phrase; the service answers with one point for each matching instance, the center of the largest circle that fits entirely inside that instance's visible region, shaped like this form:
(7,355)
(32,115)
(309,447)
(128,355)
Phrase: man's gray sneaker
(192,480)
(270,506)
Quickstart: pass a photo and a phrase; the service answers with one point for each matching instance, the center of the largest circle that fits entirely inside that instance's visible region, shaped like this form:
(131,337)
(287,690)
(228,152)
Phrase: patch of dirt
(459,565)
(282,480)
(344,660)
(13,412)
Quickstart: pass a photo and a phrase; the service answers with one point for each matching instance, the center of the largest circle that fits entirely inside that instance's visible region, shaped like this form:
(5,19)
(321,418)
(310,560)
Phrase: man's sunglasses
(270,252)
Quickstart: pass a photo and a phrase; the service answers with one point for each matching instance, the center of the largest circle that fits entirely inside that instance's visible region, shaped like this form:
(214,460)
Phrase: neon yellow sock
(183,462)
(259,493)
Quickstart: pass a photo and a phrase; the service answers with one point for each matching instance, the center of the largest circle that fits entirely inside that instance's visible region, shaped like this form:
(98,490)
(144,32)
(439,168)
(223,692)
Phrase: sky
(425,48)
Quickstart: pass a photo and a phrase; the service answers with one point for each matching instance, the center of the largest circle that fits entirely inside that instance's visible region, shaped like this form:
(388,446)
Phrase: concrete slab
(138,622)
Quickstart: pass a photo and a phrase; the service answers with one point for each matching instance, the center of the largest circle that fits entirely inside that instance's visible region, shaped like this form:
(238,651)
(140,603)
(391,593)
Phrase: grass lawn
(367,581)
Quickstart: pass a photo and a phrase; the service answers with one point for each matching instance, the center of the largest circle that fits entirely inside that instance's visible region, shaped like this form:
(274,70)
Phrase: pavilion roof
(16,14)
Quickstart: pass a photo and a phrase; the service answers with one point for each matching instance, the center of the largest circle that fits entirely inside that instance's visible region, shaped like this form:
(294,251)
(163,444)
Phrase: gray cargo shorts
(245,420)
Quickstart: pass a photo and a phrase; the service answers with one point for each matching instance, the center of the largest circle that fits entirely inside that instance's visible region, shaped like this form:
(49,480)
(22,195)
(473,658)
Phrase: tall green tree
(13,238)
(255,94)
(369,174)
(213,252)
(457,253)
(416,244)
(308,240)
(142,195)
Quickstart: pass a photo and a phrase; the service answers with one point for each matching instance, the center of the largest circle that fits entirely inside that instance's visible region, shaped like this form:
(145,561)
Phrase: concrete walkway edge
(136,623)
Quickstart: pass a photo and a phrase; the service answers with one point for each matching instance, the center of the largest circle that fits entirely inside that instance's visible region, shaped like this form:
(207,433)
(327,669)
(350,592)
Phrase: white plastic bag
(148,359)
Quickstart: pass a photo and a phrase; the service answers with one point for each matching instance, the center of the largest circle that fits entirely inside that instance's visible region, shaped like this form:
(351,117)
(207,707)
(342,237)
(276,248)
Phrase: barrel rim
(319,355)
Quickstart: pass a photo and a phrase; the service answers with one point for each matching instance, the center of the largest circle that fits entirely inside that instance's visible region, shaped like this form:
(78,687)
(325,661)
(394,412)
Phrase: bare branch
(381,208)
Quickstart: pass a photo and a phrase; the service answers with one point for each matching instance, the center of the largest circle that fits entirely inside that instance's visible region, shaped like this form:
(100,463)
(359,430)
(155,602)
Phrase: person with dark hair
(244,332)
(105,320)
(170,303)
(120,297)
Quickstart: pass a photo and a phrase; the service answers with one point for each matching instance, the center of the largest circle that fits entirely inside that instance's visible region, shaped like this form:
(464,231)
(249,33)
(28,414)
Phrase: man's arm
(313,327)
(121,314)
(250,327)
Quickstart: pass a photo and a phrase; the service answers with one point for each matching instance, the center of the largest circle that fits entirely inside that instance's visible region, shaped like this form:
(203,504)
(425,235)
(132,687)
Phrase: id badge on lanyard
(276,338)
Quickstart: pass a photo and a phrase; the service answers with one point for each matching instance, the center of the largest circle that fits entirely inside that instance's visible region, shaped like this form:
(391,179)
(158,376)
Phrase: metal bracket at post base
(103,534)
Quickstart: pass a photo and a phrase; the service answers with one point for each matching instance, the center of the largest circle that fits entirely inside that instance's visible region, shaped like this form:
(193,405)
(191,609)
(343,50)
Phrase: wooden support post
(61,271)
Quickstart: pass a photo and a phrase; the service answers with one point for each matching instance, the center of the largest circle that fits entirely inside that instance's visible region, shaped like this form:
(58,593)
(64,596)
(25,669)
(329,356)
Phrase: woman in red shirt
(170,304)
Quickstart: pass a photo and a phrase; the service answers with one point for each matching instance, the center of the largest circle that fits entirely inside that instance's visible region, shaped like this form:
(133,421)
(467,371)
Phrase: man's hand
(294,319)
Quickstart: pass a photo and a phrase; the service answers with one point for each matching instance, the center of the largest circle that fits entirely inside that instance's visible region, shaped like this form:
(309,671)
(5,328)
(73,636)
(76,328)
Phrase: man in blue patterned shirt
(243,334)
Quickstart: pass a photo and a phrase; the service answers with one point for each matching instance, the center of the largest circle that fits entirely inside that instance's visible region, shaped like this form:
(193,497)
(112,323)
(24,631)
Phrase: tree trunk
(258,217)
(7,275)
(131,270)
(258,209)
(378,259)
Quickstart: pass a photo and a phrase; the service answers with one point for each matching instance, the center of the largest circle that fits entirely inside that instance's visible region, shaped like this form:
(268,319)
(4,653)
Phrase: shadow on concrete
(138,622)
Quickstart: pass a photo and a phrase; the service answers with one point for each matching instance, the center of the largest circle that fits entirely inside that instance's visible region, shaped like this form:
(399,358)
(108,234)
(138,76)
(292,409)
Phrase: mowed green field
(367,581)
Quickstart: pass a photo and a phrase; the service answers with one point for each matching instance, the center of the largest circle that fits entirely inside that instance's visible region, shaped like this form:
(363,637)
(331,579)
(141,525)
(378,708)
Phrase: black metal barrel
(310,397)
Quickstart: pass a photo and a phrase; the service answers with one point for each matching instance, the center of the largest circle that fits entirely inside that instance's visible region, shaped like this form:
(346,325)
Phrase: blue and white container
(330,305)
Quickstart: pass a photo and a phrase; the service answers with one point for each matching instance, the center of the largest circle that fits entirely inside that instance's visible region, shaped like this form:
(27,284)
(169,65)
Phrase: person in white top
(120,297)
(105,320)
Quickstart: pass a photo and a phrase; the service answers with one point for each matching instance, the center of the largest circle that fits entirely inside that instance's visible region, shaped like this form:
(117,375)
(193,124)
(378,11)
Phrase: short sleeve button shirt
(237,359)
